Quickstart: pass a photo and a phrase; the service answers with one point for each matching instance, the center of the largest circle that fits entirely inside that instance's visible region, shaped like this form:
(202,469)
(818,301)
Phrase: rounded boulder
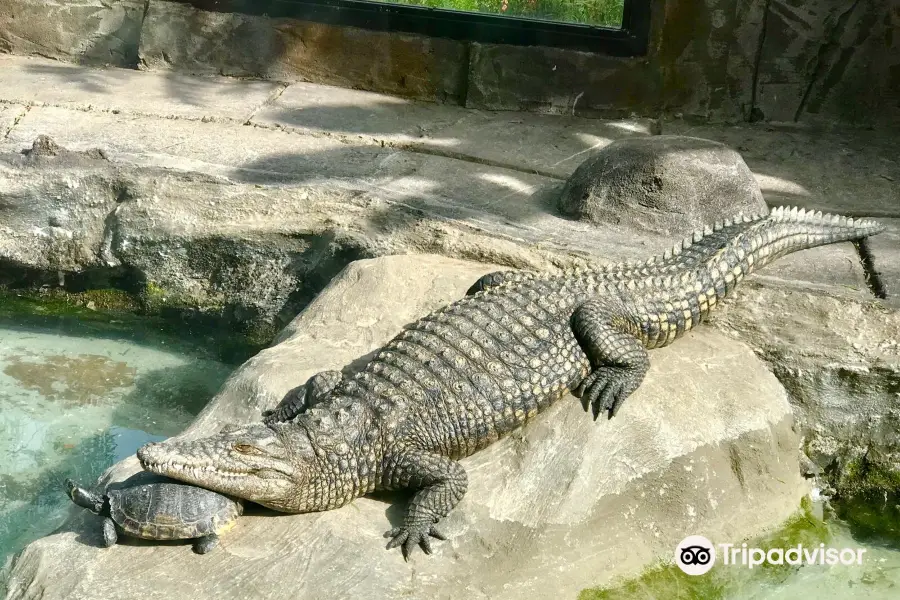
(665,184)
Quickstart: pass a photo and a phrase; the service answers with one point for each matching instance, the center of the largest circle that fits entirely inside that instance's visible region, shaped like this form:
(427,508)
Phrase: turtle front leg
(110,537)
(206,544)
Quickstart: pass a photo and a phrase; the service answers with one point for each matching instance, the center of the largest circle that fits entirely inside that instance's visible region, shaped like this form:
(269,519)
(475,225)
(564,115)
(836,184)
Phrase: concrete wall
(720,60)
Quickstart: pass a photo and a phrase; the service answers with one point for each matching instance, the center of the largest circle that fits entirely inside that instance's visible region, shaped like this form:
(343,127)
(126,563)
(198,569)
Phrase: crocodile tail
(754,241)
(701,271)
(789,229)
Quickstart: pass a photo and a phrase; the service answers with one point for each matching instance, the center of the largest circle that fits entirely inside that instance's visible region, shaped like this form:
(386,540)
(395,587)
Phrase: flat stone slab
(499,203)
(543,144)
(704,447)
(311,107)
(236,152)
(849,171)
(46,82)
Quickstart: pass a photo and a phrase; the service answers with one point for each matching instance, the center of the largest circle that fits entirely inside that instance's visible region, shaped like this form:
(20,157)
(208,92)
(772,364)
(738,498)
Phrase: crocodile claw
(408,537)
(606,389)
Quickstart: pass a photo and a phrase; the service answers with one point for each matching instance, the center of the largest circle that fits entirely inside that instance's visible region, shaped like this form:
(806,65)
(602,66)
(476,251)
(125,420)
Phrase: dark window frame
(629,40)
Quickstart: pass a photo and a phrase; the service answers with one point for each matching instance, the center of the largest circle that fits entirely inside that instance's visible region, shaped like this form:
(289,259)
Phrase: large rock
(839,359)
(706,446)
(664,184)
(250,255)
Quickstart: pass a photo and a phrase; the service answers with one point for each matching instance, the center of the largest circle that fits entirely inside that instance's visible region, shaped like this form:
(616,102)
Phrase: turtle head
(83,498)
(272,465)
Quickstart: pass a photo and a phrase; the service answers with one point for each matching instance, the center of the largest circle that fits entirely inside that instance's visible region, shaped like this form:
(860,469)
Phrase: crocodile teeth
(195,471)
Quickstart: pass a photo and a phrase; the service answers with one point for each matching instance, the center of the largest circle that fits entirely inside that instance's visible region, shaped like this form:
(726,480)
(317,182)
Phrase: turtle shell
(158,508)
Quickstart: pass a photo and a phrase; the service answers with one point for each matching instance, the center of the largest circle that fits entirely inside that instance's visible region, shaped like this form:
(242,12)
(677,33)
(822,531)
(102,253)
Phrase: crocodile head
(272,465)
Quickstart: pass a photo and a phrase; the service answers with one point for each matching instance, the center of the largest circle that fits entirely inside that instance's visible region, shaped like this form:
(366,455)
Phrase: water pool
(77,397)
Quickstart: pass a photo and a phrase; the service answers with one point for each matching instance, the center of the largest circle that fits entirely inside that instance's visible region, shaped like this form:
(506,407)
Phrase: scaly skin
(469,374)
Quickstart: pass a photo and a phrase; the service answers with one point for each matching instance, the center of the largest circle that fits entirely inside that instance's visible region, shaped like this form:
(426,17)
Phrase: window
(605,13)
(614,27)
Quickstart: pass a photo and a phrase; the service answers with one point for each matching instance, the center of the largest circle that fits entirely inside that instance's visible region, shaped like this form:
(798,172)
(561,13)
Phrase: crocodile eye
(246,448)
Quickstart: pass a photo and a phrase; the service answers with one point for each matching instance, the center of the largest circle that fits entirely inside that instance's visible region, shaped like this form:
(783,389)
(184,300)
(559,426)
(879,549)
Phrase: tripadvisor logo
(696,555)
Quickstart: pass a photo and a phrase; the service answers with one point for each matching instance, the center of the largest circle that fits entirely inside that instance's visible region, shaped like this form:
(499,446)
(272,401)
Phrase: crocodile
(466,375)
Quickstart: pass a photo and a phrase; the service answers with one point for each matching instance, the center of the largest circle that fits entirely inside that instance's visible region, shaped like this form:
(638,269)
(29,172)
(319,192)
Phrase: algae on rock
(667,580)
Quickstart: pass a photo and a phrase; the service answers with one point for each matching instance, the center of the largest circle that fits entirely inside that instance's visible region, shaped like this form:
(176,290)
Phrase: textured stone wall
(83,31)
(830,58)
(720,60)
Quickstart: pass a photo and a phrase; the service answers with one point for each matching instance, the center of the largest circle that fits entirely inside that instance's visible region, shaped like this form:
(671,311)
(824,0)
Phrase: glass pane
(606,13)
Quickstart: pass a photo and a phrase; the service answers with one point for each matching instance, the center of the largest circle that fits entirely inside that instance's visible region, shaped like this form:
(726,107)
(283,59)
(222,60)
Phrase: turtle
(153,507)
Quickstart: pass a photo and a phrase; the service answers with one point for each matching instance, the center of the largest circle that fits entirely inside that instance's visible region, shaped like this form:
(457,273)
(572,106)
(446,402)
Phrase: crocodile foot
(606,388)
(411,535)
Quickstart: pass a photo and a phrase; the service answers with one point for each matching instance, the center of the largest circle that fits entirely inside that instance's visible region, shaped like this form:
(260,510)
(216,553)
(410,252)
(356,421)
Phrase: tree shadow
(93,80)
(536,144)
(187,89)
(841,169)
(417,183)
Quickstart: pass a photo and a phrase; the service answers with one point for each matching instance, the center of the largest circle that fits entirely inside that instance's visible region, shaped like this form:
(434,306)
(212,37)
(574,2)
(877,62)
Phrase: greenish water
(877,578)
(77,397)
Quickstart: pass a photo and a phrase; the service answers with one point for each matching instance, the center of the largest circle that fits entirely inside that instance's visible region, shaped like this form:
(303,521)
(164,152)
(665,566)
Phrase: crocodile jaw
(252,462)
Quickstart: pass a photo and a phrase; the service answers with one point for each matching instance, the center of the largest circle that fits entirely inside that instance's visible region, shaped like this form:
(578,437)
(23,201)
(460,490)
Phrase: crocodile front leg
(489,281)
(304,396)
(606,333)
(440,483)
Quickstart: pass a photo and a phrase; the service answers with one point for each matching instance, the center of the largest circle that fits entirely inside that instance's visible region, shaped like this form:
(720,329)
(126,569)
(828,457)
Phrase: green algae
(77,379)
(866,475)
(668,582)
(110,312)
(94,305)
(664,582)
(869,499)
(155,298)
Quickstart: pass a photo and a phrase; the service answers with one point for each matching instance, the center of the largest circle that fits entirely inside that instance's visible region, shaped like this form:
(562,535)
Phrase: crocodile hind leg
(304,396)
(440,482)
(618,358)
